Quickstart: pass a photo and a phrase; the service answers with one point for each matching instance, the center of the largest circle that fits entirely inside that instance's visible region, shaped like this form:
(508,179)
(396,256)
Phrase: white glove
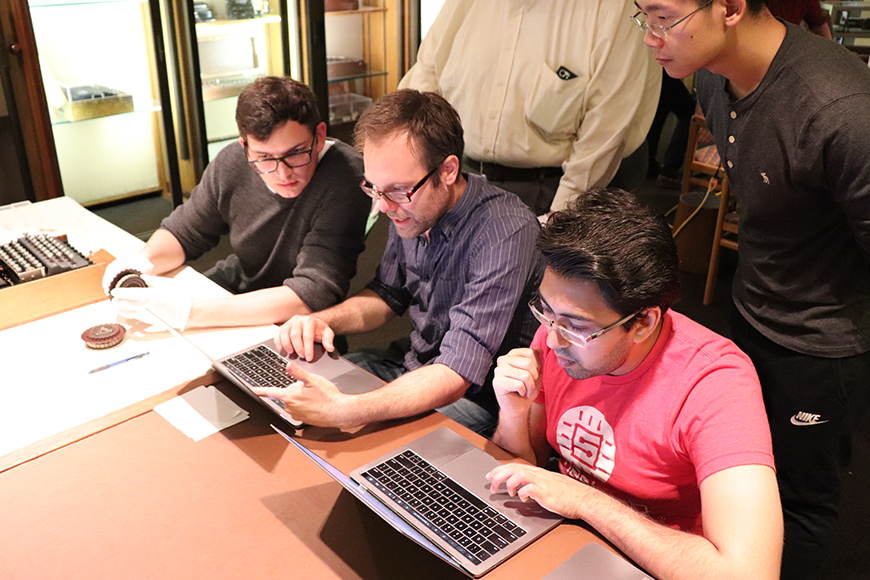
(137,262)
(161,298)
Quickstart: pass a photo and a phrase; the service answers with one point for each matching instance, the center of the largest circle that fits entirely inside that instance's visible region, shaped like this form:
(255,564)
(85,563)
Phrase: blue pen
(110,365)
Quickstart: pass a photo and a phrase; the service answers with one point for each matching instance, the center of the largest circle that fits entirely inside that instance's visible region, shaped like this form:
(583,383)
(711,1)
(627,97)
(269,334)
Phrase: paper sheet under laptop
(595,562)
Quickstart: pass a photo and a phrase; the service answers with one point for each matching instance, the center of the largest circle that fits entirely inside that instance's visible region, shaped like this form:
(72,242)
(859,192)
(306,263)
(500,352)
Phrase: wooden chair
(703,165)
(702,158)
(725,236)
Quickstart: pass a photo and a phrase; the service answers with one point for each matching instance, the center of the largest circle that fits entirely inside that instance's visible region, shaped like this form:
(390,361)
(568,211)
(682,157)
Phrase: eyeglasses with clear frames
(292,160)
(575,338)
(398,195)
(641,18)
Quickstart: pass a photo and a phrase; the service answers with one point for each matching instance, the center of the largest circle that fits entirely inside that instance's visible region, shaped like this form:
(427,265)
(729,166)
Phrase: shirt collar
(456,216)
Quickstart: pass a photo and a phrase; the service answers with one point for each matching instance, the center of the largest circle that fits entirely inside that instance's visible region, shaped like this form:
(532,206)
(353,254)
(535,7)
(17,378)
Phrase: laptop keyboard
(260,367)
(460,518)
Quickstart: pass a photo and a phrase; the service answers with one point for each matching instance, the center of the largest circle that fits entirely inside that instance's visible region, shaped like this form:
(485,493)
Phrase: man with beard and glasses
(460,259)
(658,422)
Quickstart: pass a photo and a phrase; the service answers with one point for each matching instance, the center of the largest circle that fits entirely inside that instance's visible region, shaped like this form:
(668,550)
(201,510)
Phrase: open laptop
(264,364)
(447,507)
(595,562)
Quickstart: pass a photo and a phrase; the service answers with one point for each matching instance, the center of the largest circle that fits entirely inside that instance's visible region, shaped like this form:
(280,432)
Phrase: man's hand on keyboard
(556,492)
(313,400)
(301,332)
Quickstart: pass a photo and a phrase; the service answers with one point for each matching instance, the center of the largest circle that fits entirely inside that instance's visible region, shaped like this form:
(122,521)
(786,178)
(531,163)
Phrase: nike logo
(801,419)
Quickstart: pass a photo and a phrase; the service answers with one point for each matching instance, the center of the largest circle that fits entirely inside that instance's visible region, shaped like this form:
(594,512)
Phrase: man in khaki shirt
(553,95)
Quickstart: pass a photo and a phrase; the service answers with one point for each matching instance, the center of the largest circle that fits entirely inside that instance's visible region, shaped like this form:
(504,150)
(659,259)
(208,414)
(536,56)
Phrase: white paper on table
(201,412)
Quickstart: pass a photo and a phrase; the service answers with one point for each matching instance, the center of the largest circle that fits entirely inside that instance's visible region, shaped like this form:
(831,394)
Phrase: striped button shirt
(466,289)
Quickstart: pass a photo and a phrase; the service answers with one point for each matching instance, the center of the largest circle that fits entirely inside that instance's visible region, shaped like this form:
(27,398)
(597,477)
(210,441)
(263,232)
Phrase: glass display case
(100,76)
(124,97)
(236,43)
(359,59)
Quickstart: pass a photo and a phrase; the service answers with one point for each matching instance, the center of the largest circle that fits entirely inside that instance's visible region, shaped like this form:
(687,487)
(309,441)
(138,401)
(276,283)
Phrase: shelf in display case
(224,88)
(360,10)
(56,4)
(367,73)
(265,19)
(60,116)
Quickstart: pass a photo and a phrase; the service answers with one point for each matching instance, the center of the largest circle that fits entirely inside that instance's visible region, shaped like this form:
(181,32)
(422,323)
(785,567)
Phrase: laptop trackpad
(470,469)
(354,383)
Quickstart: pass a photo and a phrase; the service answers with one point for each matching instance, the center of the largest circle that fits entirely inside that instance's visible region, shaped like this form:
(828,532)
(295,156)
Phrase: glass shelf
(265,19)
(368,73)
(58,117)
(56,4)
(361,10)
(850,32)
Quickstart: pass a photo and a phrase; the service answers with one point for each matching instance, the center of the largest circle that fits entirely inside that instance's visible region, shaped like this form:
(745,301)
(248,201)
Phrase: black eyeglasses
(397,195)
(291,160)
(641,18)
(538,307)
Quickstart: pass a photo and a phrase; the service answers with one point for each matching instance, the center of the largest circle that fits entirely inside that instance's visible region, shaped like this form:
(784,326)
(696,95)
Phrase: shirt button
(730,165)
(731,139)
(733,115)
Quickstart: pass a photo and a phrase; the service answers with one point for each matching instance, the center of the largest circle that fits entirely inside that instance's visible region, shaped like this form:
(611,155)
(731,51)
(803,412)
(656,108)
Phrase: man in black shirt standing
(790,114)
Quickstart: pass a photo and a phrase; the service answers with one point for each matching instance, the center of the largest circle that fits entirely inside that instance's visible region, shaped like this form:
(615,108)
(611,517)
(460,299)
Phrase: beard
(604,366)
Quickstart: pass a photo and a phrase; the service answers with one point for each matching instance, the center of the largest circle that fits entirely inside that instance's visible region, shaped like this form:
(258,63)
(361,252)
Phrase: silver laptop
(264,365)
(434,490)
(595,562)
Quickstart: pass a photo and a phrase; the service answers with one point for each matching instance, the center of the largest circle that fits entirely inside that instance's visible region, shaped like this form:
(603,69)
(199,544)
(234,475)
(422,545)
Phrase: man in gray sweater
(290,202)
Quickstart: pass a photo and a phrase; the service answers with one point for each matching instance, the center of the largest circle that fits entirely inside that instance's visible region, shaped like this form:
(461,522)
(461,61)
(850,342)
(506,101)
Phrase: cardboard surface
(142,500)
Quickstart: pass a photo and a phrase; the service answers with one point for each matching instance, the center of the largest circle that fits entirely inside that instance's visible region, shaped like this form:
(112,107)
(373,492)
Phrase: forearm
(666,553)
(416,392)
(164,251)
(513,435)
(671,554)
(267,306)
(360,313)
(617,111)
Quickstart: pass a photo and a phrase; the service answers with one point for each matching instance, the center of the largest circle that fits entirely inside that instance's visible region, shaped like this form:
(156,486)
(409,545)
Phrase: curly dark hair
(269,102)
(609,237)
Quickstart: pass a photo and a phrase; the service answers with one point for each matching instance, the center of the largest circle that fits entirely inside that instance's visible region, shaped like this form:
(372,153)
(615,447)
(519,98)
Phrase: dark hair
(752,6)
(432,126)
(609,237)
(269,102)
(755,6)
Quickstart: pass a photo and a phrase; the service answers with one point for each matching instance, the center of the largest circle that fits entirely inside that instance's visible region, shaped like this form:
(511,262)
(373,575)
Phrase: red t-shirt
(691,408)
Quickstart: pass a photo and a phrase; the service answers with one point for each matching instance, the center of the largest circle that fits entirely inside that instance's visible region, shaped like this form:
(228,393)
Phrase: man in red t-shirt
(658,423)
